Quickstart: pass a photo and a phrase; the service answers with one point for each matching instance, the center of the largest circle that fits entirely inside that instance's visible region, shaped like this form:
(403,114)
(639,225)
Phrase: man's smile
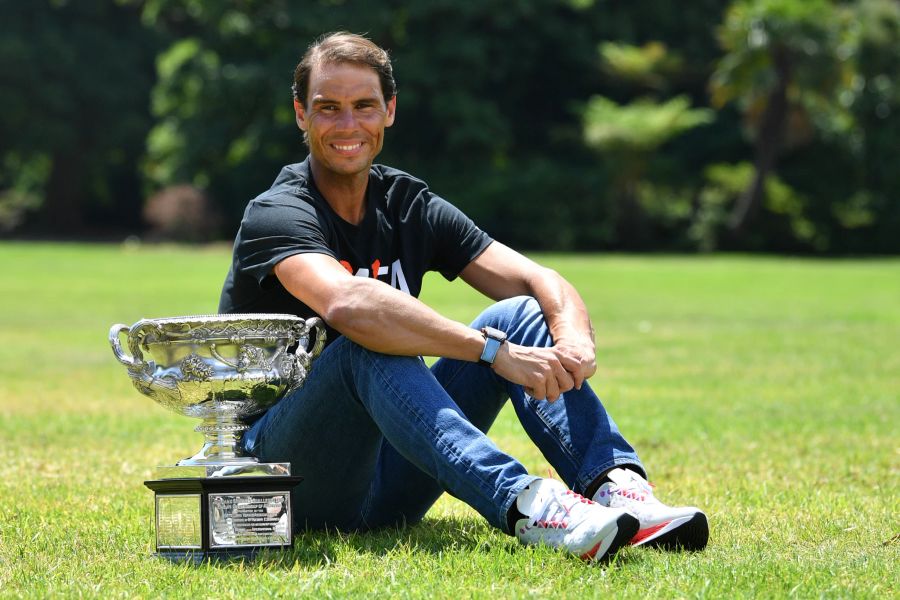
(347,147)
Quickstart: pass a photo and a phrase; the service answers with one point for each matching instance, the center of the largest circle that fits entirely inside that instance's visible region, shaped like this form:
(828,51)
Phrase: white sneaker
(560,518)
(672,528)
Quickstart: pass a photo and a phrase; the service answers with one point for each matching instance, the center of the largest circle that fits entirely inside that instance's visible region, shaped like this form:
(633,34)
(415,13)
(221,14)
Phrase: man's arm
(500,272)
(383,319)
(374,314)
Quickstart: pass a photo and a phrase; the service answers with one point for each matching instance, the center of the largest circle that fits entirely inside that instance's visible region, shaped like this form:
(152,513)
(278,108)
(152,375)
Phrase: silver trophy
(224,370)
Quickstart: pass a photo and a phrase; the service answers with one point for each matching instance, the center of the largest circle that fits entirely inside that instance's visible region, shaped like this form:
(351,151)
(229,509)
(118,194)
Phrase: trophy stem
(223,436)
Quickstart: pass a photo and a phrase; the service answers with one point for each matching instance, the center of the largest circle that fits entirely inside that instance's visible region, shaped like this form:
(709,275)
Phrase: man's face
(345,117)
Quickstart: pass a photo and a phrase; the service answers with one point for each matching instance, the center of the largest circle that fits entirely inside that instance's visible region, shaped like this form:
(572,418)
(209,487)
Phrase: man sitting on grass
(377,435)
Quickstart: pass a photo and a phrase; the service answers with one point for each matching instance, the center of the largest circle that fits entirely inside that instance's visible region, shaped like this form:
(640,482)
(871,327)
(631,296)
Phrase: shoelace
(560,510)
(635,488)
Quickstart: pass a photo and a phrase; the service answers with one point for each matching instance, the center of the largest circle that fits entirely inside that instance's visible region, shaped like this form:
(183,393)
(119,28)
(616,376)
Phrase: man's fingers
(539,392)
(579,380)
(552,389)
(565,381)
(544,373)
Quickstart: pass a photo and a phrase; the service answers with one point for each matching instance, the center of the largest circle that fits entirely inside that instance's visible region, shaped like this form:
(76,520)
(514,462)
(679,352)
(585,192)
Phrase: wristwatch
(493,339)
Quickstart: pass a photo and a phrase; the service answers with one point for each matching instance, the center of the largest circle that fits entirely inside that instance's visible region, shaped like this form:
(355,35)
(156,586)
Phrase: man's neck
(346,194)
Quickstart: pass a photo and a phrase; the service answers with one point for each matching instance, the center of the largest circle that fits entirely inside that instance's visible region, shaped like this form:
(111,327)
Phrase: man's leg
(333,431)
(403,493)
(575,433)
(582,442)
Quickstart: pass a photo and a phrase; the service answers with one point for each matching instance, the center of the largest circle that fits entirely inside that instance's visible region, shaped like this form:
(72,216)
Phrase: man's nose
(346,118)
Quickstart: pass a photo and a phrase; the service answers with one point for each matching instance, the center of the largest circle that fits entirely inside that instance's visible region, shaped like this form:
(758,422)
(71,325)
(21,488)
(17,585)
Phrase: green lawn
(765,390)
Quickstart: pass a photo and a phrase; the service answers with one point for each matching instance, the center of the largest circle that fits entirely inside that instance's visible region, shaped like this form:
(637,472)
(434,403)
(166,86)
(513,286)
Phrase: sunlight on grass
(764,390)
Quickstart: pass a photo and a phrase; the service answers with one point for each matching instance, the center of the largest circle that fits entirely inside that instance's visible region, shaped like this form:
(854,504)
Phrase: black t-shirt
(406,231)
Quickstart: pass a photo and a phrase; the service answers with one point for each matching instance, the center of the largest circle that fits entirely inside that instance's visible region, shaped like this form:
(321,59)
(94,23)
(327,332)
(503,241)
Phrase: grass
(765,390)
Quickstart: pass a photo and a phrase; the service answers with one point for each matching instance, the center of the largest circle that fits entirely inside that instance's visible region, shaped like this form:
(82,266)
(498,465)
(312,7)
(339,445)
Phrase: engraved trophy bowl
(222,369)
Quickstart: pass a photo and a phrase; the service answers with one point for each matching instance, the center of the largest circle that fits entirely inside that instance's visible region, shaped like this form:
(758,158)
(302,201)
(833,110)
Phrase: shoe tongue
(535,496)
(620,477)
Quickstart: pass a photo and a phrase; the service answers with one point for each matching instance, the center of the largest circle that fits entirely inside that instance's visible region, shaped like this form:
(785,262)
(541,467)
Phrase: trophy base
(215,518)
(223,469)
(197,557)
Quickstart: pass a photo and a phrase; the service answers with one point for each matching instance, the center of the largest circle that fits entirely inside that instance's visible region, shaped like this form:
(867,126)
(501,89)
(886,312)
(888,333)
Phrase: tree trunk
(769,140)
(632,230)
(61,213)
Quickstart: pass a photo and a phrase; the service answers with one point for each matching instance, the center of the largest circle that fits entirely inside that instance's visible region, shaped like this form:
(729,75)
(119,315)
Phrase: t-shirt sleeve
(275,229)
(457,240)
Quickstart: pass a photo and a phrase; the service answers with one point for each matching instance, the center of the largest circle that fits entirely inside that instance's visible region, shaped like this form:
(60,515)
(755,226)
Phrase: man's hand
(501,272)
(539,370)
(578,358)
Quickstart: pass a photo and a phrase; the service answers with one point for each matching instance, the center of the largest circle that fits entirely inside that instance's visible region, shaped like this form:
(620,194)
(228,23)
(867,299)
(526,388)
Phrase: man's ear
(300,114)
(391,111)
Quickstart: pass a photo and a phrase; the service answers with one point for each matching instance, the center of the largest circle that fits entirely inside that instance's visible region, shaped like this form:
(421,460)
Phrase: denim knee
(523,305)
(507,313)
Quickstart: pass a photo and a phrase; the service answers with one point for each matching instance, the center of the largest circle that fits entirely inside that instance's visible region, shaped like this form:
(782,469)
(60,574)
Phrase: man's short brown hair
(344,47)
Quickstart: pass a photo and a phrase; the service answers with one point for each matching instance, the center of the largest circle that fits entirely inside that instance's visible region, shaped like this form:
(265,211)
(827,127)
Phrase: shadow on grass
(432,537)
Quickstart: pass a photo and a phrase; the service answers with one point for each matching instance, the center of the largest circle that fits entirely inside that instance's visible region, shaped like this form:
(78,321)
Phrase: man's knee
(519,304)
(510,313)
(512,309)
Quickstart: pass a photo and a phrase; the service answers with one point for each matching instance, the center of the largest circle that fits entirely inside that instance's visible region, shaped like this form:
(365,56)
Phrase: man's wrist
(493,340)
(574,336)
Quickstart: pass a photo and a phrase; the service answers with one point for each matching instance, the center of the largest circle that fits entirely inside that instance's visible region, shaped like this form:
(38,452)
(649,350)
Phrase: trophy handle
(129,361)
(319,326)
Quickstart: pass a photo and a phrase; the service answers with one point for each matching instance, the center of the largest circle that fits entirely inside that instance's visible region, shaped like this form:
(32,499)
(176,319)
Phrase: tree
(785,61)
(871,215)
(74,81)
(628,135)
(485,94)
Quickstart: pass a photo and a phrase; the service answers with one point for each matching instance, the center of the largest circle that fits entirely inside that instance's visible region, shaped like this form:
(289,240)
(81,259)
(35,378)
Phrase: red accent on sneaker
(590,554)
(645,533)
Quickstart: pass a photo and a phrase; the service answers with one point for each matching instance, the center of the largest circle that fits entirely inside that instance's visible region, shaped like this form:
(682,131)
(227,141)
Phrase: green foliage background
(104,102)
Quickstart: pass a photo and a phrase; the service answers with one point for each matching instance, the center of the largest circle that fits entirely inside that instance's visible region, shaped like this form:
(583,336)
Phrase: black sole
(628,528)
(690,537)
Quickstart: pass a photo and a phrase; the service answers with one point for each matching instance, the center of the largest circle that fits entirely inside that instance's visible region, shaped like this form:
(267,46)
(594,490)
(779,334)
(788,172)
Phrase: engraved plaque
(178,521)
(200,518)
(237,520)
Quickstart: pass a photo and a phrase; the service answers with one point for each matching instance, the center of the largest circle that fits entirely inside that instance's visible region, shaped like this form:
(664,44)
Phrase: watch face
(493,339)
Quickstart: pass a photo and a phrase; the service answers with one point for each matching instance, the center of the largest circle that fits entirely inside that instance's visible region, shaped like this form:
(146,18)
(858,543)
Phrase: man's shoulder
(388,173)
(293,179)
(292,189)
(398,184)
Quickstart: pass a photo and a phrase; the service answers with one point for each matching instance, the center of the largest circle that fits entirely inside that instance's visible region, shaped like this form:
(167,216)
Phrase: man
(377,435)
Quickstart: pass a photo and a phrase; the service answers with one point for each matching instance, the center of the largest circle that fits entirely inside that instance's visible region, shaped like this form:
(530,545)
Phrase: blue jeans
(379,437)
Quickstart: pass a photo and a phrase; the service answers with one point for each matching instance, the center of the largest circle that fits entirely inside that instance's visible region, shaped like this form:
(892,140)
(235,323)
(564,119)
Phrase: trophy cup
(225,370)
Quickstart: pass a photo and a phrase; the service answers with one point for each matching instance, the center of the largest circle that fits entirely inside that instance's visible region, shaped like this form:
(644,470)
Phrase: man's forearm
(386,320)
(564,310)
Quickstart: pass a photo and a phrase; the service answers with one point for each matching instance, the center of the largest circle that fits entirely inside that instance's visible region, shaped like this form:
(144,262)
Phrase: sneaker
(560,518)
(672,528)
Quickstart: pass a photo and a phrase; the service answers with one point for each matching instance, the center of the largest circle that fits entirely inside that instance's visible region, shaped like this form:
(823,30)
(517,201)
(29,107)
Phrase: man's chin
(348,168)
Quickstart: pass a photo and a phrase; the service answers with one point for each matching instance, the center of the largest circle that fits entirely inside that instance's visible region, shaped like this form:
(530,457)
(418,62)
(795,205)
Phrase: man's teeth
(348,148)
